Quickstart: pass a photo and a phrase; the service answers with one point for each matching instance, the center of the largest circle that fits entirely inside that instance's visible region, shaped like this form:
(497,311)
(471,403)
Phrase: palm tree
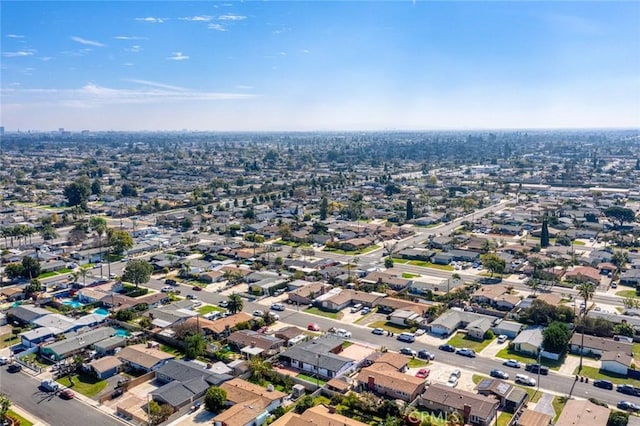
(235,303)
(585,291)
(619,258)
(99,224)
(84,272)
(5,404)
(259,368)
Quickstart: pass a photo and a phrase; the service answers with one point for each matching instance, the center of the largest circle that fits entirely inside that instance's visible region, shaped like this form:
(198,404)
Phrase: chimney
(332,409)
(371,382)
(466,413)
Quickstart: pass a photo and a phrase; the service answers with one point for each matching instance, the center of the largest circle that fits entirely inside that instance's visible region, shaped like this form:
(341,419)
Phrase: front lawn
(207,309)
(84,384)
(636,351)
(47,275)
(389,326)
(352,252)
(8,340)
(477,378)
(626,293)
(504,418)
(399,260)
(424,264)
(507,353)
(460,340)
(22,420)
(316,311)
(408,275)
(311,379)
(417,363)
(597,374)
(558,404)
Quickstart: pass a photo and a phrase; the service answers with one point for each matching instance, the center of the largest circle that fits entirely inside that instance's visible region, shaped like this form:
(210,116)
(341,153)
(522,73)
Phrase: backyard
(208,309)
(311,379)
(504,418)
(84,384)
(460,340)
(8,340)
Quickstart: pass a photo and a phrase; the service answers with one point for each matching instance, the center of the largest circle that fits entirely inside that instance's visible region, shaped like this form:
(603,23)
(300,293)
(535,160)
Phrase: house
(534,418)
(528,341)
(511,398)
(318,356)
(320,415)
(394,360)
(251,404)
(145,357)
(630,277)
(306,294)
(108,346)
(616,362)
(402,317)
(598,345)
(508,328)
(477,328)
(338,299)
(454,319)
(26,314)
(291,335)
(498,296)
(384,379)
(75,342)
(269,345)
(222,326)
(105,367)
(474,409)
(578,411)
(583,274)
(13,294)
(390,304)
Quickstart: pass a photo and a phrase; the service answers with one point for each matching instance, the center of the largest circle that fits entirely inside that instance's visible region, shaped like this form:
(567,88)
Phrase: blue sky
(289,65)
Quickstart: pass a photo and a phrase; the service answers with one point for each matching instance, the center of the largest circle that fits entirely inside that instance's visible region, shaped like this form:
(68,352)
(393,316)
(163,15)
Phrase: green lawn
(416,363)
(558,404)
(399,260)
(636,351)
(352,252)
(408,275)
(171,350)
(504,418)
(84,384)
(8,340)
(430,265)
(533,395)
(208,309)
(597,374)
(506,353)
(22,420)
(477,378)
(311,379)
(459,340)
(386,325)
(47,275)
(626,293)
(316,311)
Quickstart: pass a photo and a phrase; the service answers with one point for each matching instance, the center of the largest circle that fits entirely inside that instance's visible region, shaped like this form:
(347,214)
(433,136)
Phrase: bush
(489,335)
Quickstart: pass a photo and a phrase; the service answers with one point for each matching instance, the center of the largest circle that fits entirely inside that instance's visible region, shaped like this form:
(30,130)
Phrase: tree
(96,187)
(137,271)
(544,236)
(77,194)
(194,345)
(556,337)
(624,329)
(620,214)
(388,263)
(620,259)
(215,399)
(303,404)
(5,404)
(618,418)
(235,303)
(259,368)
(119,240)
(35,286)
(324,208)
(409,209)
(158,413)
(585,291)
(128,190)
(14,270)
(493,262)
(99,225)
(30,267)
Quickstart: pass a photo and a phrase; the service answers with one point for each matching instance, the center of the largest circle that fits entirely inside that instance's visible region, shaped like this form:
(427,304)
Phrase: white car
(502,338)
(453,381)
(343,333)
(257,313)
(274,316)
(512,363)
(166,289)
(3,360)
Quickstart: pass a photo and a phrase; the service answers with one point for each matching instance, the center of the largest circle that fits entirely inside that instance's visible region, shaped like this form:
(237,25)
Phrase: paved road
(23,389)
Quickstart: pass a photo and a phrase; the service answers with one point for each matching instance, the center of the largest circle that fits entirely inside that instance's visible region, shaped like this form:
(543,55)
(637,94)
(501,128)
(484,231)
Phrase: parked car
(166,289)
(169,281)
(4,360)
(365,311)
(197,288)
(408,351)
(423,373)
(420,332)
(425,354)
(406,337)
(457,373)
(49,385)
(628,405)
(466,352)
(499,374)
(192,296)
(502,338)
(14,368)
(628,390)
(67,394)
(512,363)
(258,313)
(447,348)
(343,333)
(313,327)
(525,380)
(277,307)
(535,368)
(452,382)
(274,316)
(223,303)
(604,384)
(378,331)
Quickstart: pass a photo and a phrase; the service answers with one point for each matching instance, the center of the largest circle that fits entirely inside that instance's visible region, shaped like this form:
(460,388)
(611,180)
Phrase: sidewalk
(33,419)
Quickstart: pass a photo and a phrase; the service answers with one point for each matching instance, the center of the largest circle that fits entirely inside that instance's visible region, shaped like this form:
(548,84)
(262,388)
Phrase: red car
(423,373)
(67,394)
(197,288)
(313,327)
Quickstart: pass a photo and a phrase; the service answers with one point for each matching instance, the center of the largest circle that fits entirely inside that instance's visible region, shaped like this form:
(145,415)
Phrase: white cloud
(134,49)
(217,27)
(128,64)
(46,58)
(15,36)
(130,38)
(178,56)
(197,18)
(243,87)
(93,95)
(231,17)
(19,53)
(151,20)
(157,85)
(87,42)
(282,53)
(305,50)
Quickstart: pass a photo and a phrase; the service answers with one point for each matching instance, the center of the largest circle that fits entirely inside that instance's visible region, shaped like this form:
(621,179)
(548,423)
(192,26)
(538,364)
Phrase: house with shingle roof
(318,356)
(320,415)
(384,379)
(75,342)
(250,403)
(144,357)
(473,409)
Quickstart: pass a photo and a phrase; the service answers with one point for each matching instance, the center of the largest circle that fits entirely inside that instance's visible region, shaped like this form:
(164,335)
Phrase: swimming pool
(122,332)
(73,303)
(101,311)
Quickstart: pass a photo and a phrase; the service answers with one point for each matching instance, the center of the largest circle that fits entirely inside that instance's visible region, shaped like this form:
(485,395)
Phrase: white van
(407,337)
(356,308)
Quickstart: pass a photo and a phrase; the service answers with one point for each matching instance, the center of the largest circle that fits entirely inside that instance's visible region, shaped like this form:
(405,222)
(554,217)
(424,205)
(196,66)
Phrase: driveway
(200,417)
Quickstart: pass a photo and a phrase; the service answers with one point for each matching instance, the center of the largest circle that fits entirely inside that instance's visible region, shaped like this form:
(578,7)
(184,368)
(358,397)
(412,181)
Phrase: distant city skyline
(319,66)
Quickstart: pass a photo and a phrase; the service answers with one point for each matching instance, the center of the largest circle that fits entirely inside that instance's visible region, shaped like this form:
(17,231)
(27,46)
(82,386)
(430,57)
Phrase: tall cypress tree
(409,209)
(544,237)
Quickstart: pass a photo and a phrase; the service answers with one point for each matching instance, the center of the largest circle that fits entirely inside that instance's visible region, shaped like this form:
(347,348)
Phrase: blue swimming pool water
(73,303)
(122,332)
(101,311)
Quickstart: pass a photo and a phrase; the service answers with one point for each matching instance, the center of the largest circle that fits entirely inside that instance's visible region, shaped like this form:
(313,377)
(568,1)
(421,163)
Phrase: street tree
(235,303)
(494,263)
(585,291)
(137,271)
(30,267)
(620,259)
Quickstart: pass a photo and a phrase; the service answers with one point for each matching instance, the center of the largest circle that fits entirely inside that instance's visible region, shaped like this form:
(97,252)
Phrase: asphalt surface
(23,389)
